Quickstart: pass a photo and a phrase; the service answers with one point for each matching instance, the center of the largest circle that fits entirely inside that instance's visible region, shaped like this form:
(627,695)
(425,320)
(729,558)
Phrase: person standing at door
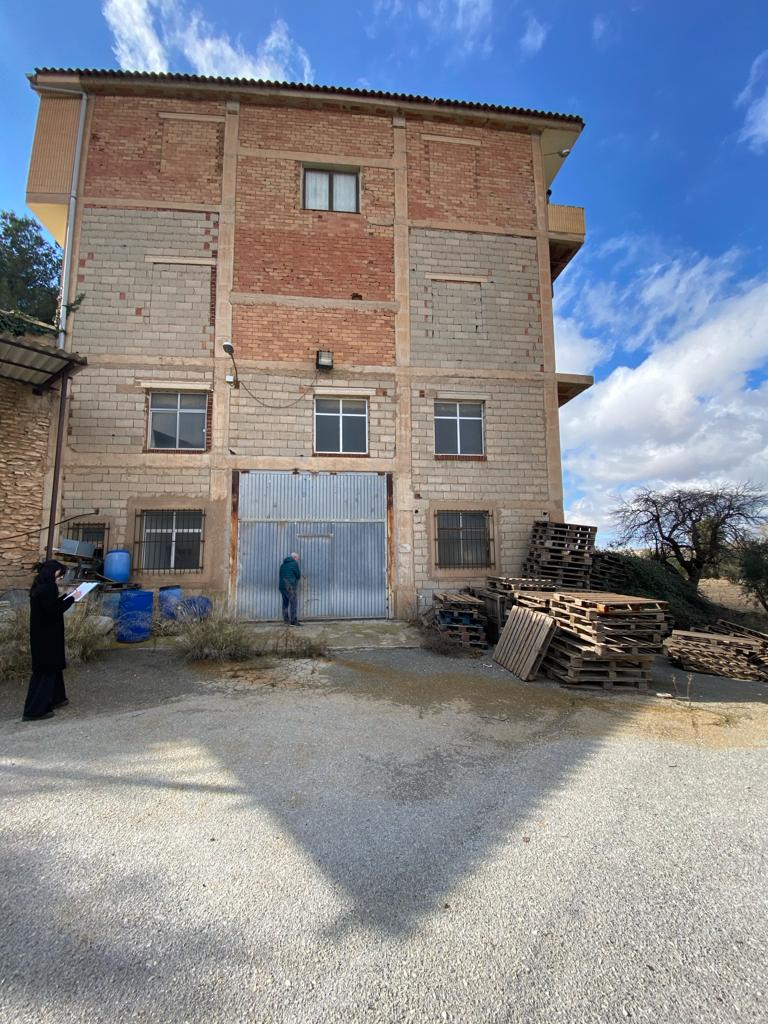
(290,574)
(46,640)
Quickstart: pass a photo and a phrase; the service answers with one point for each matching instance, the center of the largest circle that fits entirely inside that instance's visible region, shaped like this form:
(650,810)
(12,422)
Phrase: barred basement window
(463,540)
(89,533)
(337,191)
(169,540)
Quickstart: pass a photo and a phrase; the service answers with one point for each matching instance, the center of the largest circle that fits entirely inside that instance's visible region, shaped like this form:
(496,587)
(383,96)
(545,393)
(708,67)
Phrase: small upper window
(341,426)
(178,420)
(331,190)
(459,428)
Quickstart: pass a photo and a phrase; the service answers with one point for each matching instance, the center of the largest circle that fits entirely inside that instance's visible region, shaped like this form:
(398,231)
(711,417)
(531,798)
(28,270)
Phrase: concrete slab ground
(387,836)
(346,634)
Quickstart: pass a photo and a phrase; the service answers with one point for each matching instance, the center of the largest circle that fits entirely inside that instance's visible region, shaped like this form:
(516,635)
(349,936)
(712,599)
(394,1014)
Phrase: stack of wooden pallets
(561,553)
(460,617)
(608,572)
(503,592)
(724,649)
(516,584)
(604,639)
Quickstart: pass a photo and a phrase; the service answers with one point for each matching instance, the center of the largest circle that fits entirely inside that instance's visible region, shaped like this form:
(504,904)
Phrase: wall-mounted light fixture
(231,378)
(324,360)
(562,153)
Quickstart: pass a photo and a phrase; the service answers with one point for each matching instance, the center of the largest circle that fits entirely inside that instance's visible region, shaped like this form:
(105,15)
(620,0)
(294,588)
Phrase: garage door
(337,522)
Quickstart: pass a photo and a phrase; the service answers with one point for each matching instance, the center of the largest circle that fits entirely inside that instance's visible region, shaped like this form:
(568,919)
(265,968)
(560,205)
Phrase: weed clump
(219,636)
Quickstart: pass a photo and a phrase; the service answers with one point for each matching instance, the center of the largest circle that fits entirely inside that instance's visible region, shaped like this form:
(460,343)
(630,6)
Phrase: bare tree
(693,527)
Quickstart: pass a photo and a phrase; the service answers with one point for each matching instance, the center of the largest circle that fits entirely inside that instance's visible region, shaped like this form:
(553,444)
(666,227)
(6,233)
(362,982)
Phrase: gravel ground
(393,836)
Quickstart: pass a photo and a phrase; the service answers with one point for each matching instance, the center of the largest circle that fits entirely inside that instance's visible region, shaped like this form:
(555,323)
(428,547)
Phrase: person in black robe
(46,640)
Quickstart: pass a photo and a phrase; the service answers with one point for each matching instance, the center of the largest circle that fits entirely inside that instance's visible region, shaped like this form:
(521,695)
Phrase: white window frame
(173,531)
(458,402)
(330,171)
(179,412)
(341,399)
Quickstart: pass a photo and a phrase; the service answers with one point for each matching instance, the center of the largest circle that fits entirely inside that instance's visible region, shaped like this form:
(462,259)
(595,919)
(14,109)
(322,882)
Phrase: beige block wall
(133,302)
(492,321)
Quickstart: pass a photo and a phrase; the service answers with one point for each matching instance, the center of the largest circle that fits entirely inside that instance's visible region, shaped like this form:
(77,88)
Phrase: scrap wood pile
(503,592)
(561,553)
(723,649)
(604,639)
(608,572)
(460,617)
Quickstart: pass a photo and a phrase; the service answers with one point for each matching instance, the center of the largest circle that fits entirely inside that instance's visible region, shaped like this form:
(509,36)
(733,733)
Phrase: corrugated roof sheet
(328,90)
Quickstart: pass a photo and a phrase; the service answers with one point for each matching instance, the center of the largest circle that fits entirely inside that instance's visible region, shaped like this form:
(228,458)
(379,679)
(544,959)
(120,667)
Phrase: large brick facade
(192,231)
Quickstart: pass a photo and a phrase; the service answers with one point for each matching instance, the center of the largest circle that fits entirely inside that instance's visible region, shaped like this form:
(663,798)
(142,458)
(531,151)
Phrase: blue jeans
(290,605)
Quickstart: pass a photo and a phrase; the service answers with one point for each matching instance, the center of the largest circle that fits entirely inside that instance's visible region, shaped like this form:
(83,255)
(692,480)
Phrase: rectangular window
(459,428)
(96,534)
(463,540)
(331,190)
(341,426)
(170,540)
(178,420)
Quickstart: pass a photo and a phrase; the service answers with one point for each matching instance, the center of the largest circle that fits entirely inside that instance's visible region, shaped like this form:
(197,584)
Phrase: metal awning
(36,363)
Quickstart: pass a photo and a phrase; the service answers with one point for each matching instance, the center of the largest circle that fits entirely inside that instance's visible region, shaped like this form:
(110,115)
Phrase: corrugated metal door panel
(343,555)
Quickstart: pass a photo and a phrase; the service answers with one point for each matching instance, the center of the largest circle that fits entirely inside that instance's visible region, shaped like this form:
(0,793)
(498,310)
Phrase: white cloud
(754,96)
(576,353)
(599,27)
(137,46)
(534,36)
(139,26)
(688,414)
(469,20)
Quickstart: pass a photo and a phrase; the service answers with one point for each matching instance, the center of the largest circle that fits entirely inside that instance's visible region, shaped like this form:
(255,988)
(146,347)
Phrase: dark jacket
(290,574)
(46,627)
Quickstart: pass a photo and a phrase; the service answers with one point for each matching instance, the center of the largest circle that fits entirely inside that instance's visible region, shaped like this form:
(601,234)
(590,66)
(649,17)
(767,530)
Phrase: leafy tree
(29,268)
(692,527)
(751,570)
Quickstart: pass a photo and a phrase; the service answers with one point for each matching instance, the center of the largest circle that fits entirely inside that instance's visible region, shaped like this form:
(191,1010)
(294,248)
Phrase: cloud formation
(150,34)
(692,410)
(754,97)
(467,20)
(534,36)
(599,28)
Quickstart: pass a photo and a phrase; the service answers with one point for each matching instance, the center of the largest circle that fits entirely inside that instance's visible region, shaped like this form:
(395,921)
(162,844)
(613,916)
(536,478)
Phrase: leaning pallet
(718,654)
(524,641)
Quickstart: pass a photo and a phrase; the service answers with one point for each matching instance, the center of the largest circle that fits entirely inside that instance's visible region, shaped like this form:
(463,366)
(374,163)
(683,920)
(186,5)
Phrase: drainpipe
(57,462)
(66,267)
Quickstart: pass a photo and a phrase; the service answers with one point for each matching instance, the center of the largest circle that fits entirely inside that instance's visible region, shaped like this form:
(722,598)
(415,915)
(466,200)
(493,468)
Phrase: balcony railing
(566,220)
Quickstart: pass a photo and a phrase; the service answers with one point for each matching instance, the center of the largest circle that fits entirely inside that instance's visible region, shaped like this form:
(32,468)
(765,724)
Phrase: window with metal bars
(463,540)
(169,540)
(337,191)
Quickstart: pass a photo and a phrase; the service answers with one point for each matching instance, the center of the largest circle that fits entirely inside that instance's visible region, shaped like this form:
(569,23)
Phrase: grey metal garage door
(337,522)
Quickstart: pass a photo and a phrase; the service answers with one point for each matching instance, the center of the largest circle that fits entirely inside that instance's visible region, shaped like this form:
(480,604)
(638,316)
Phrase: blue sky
(667,303)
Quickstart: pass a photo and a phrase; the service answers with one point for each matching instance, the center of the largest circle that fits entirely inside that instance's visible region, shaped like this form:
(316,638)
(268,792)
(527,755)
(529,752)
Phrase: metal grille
(169,540)
(463,540)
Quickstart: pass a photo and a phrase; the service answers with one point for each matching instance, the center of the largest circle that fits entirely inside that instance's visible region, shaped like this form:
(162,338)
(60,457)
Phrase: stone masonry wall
(492,323)
(25,421)
(133,302)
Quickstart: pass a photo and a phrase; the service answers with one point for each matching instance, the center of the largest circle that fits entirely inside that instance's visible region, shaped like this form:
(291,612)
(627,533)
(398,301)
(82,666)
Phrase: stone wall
(25,420)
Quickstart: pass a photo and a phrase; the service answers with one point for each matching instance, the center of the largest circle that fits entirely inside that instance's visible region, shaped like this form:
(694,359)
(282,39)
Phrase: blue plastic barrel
(134,616)
(117,565)
(198,607)
(168,599)
(110,603)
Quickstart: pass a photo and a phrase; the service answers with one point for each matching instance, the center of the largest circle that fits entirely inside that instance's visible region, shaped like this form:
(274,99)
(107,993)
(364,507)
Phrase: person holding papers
(46,640)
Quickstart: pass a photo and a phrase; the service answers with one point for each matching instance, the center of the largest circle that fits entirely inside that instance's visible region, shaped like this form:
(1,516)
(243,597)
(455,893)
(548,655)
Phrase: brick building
(408,239)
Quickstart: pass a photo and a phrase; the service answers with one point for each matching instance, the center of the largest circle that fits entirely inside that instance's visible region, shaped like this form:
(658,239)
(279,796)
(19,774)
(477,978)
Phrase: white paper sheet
(82,590)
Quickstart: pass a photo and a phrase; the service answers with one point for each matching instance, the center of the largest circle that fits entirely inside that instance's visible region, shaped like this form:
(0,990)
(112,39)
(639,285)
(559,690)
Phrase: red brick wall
(134,154)
(282,249)
(490,184)
(284,332)
(315,131)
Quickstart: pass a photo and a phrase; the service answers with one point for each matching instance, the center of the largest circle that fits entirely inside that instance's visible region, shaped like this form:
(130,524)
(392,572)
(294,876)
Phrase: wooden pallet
(515,584)
(602,603)
(524,641)
(718,654)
